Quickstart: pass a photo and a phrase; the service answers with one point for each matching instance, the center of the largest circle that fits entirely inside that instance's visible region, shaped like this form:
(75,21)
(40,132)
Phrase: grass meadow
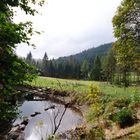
(81,86)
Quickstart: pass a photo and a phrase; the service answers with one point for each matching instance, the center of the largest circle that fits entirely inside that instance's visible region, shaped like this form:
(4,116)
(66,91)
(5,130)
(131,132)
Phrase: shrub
(7,111)
(97,102)
(124,117)
(91,97)
(93,93)
(7,114)
(93,89)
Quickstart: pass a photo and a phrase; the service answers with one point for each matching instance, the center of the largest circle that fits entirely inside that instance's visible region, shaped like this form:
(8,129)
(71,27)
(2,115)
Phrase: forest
(97,64)
(91,95)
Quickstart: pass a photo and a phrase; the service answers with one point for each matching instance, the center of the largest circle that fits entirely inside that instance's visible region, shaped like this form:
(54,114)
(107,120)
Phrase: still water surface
(42,125)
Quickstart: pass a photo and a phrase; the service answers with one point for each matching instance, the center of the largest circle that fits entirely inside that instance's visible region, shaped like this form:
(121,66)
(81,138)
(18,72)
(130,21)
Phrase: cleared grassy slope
(82,86)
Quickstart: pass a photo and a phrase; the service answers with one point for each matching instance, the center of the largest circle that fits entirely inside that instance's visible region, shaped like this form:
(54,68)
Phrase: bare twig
(60,85)
(57,126)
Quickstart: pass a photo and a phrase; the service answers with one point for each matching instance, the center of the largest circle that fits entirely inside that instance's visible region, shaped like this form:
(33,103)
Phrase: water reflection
(43,124)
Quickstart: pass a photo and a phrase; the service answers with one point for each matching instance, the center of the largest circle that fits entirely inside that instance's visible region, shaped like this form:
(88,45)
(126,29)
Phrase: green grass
(62,84)
(82,86)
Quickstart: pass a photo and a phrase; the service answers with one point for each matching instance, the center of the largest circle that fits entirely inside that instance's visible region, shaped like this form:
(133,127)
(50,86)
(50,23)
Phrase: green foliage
(124,117)
(13,71)
(126,30)
(19,73)
(7,111)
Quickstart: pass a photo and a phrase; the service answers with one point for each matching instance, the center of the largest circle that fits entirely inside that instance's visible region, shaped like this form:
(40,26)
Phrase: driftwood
(34,114)
(51,107)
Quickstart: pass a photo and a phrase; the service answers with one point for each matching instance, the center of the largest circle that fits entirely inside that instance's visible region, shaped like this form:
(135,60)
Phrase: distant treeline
(94,64)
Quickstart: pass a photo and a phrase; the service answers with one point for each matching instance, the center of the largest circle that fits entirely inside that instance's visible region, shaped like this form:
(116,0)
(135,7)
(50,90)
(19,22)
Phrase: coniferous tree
(110,66)
(51,69)
(85,69)
(96,70)
(77,71)
(45,65)
(29,58)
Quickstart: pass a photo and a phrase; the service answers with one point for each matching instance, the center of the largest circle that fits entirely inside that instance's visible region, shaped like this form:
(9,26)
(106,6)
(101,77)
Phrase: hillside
(89,54)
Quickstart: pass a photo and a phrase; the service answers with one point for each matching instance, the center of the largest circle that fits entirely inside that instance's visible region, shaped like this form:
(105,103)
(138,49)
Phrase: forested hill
(77,66)
(89,54)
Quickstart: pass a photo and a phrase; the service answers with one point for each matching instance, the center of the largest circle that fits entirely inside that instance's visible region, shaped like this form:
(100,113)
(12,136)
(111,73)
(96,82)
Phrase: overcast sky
(70,26)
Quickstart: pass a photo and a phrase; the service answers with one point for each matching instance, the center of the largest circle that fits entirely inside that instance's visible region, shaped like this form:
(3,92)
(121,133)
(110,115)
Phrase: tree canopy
(13,70)
(127,31)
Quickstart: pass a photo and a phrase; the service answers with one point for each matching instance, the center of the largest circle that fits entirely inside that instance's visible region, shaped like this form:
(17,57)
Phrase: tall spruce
(29,58)
(51,68)
(45,65)
(96,70)
(84,69)
(110,66)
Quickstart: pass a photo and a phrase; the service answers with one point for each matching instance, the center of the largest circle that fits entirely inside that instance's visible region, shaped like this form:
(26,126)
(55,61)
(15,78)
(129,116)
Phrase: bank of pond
(40,118)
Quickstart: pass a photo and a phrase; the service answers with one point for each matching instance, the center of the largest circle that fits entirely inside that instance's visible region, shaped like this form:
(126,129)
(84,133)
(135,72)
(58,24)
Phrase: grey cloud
(71,29)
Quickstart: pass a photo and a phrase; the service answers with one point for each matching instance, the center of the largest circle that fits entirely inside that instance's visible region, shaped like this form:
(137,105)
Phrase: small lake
(43,124)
